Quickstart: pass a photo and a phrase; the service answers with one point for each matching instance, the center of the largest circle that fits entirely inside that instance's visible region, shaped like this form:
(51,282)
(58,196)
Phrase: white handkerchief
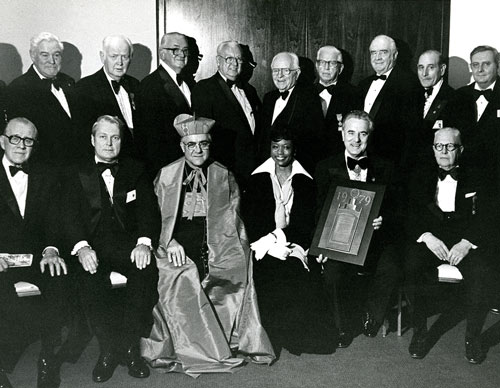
(131,195)
(468,195)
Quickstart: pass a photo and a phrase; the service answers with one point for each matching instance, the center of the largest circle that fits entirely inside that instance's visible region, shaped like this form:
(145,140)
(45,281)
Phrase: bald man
(235,107)
(338,97)
(163,95)
(110,91)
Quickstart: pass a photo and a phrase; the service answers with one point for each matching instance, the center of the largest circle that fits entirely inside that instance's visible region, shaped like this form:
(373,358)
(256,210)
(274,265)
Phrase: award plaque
(345,226)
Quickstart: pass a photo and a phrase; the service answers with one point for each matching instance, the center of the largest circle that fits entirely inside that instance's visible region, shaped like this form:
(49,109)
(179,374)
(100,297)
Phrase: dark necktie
(330,89)
(352,163)
(453,173)
(179,79)
(284,94)
(113,167)
(428,92)
(15,169)
(486,93)
(52,81)
(383,77)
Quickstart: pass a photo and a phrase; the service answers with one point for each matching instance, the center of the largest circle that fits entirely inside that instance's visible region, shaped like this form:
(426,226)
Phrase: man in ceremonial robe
(207,312)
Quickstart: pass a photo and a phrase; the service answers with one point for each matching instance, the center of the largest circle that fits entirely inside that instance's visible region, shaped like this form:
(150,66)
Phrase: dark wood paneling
(302,26)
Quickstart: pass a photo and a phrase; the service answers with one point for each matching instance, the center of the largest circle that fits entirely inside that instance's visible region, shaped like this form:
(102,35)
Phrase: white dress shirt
(354,175)
(429,100)
(482,102)
(59,94)
(280,104)
(182,87)
(123,100)
(244,103)
(18,183)
(375,88)
(326,97)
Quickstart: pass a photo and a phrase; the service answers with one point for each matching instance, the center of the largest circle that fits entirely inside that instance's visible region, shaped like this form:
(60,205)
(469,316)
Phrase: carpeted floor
(377,362)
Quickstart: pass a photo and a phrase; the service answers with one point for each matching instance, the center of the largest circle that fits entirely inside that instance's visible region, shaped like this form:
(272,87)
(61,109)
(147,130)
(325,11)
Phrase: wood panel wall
(302,26)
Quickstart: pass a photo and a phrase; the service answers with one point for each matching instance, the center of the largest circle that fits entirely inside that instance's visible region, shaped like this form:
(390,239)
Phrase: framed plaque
(345,226)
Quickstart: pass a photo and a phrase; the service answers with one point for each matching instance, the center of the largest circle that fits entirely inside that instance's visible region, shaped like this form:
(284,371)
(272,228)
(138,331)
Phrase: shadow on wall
(307,71)
(193,61)
(140,66)
(348,71)
(458,72)
(11,65)
(72,61)
(248,66)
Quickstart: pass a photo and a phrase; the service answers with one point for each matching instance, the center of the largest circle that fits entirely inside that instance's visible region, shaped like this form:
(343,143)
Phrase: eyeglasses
(177,51)
(284,71)
(449,146)
(322,63)
(232,60)
(191,146)
(15,140)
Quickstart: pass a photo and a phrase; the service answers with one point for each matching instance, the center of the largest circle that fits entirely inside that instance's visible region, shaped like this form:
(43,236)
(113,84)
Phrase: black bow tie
(486,93)
(330,89)
(230,83)
(383,77)
(443,173)
(179,79)
(428,92)
(113,167)
(284,94)
(116,85)
(352,163)
(15,169)
(48,82)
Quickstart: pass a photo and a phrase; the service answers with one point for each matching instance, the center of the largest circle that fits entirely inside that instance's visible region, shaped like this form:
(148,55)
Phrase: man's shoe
(370,325)
(105,366)
(135,363)
(4,381)
(344,339)
(418,346)
(474,352)
(48,372)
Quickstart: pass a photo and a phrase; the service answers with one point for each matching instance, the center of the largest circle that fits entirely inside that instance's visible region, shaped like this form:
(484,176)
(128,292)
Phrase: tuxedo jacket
(344,100)
(233,143)
(304,116)
(259,205)
(96,98)
(159,102)
(396,115)
(134,203)
(60,139)
(475,209)
(38,229)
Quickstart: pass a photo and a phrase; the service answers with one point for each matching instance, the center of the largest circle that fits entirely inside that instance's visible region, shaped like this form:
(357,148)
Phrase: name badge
(17,260)
(438,124)
(131,195)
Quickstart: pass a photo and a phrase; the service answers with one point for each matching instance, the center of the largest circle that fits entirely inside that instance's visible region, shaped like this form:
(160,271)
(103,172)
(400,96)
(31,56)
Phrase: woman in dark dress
(278,211)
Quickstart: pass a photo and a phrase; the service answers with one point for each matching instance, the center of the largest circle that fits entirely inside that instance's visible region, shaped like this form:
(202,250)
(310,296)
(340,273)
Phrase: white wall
(81,23)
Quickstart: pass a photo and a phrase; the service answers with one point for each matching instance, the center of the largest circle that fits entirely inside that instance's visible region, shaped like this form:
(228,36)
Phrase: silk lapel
(232,99)
(171,89)
(89,178)
(120,192)
(8,195)
(33,195)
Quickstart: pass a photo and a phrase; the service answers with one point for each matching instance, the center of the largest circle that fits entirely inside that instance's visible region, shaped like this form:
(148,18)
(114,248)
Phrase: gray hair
(108,119)
(360,115)
(108,41)
(20,120)
(293,57)
(330,49)
(37,39)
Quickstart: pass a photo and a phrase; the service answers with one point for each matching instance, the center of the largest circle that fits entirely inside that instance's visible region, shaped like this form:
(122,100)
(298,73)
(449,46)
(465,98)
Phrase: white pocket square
(131,195)
(468,195)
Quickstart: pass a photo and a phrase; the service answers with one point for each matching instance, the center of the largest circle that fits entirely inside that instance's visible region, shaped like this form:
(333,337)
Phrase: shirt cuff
(280,236)
(50,247)
(422,236)
(79,245)
(144,241)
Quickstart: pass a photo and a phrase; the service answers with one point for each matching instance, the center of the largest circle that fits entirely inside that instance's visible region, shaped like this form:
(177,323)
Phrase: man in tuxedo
(477,114)
(438,96)
(389,97)
(112,223)
(299,107)
(163,95)
(342,281)
(111,91)
(450,221)
(46,97)
(337,97)
(235,107)
(28,216)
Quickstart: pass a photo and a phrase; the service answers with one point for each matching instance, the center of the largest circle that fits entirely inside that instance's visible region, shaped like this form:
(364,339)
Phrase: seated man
(341,278)
(450,221)
(112,222)
(207,308)
(27,222)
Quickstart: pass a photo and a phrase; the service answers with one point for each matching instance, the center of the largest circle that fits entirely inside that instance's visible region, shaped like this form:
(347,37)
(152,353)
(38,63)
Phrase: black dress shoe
(4,381)
(474,352)
(105,366)
(370,325)
(344,339)
(135,363)
(418,346)
(48,372)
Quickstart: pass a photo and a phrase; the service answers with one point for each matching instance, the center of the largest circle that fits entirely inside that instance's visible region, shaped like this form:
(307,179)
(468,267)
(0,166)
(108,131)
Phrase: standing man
(438,96)
(162,96)
(298,106)
(337,97)
(351,306)
(28,216)
(389,97)
(112,225)
(235,107)
(111,91)
(46,97)
(450,221)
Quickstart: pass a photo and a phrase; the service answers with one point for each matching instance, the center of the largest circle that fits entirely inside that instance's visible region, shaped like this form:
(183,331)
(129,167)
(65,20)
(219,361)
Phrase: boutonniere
(132,101)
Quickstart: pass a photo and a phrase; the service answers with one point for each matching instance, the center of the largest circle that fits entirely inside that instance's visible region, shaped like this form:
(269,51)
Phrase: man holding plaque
(450,222)
(342,279)
(28,252)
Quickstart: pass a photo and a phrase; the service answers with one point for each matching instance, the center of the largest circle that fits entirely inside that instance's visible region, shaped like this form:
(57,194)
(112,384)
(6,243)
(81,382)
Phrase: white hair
(110,39)
(37,39)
